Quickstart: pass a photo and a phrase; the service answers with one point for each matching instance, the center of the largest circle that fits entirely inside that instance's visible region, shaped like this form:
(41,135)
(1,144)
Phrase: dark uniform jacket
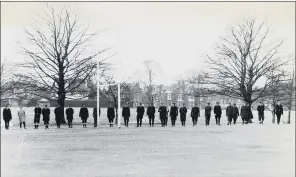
(195,112)
(7,114)
(58,111)
(46,113)
(245,111)
(151,111)
(229,111)
(111,113)
(208,110)
(217,110)
(162,111)
(260,110)
(95,113)
(69,113)
(83,113)
(278,110)
(174,112)
(235,111)
(140,112)
(126,112)
(183,111)
(37,112)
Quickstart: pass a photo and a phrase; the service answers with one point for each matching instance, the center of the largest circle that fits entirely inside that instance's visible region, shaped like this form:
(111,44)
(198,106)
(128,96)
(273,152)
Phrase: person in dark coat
(69,114)
(126,113)
(83,113)
(245,113)
(217,112)
(111,114)
(45,114)
(195,114)
(162,113)
(229,113)
(235,113)
(166,116)
(208,110)
(7,116)
(37,112)
(140,113)
(58,111)
(260,110)
(278,111)
(95,115)
(174,114)
(183,111)
(151,114)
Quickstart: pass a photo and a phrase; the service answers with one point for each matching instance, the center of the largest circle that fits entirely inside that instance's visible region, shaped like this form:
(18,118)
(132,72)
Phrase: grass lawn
(231,151)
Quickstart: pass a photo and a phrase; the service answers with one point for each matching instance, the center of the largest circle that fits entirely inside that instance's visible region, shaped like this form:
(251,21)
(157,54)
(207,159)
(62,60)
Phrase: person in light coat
(22,117)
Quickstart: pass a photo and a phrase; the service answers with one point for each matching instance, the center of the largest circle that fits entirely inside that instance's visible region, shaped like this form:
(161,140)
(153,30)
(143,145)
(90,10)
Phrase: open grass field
(232,151)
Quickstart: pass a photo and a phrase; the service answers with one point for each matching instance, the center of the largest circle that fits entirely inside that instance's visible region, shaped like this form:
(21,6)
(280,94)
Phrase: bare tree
(5,72)
(242,61)
(274,90)
(150,66)
(57,62)
(111,93)
(288,90)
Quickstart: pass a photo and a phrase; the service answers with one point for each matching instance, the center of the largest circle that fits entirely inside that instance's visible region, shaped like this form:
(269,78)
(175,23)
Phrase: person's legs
(24,125)
(234,120)
(278,119)
(38,121)
(141,122)
(216,118)
(21,124)
(69,123)
(95,121)
(138,122)
(152,121)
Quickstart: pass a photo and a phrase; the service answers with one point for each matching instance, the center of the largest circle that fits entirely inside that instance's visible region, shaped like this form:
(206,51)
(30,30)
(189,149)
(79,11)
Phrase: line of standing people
(232,113)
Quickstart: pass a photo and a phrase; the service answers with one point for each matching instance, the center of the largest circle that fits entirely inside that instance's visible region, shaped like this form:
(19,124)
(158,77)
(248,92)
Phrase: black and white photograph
(148,89)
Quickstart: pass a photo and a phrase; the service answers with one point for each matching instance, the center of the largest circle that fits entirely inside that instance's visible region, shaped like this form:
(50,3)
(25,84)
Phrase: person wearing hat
(183,111)
(217,112)
(194,114)
(173,114)
(208,110)
(162,113)
(45,114)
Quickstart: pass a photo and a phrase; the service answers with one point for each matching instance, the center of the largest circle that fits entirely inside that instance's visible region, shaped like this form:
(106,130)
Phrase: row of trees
(245,66)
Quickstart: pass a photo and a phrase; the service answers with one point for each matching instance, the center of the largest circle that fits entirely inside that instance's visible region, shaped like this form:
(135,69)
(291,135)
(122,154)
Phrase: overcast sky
(176,35)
